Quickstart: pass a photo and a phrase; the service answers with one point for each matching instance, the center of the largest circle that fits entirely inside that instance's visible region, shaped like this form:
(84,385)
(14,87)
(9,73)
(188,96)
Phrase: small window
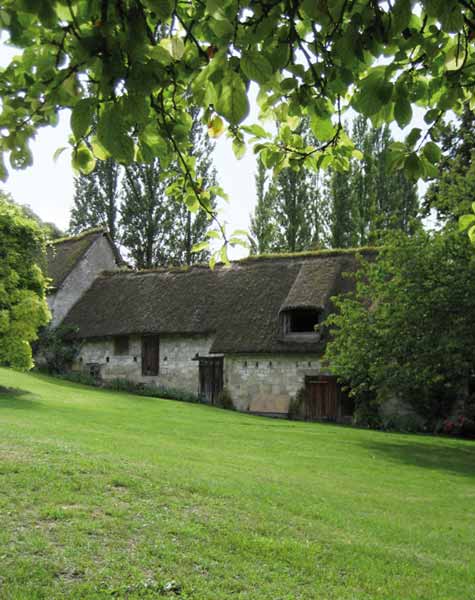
(301,320)
(121,345)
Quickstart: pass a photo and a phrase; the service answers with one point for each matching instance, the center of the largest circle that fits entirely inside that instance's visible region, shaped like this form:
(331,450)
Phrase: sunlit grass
(103,494)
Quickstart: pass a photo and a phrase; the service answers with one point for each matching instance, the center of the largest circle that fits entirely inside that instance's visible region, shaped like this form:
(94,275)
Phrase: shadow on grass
(455,459)
(18,399)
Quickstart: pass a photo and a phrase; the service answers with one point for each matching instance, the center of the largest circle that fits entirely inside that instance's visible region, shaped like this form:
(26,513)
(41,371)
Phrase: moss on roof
(239,304)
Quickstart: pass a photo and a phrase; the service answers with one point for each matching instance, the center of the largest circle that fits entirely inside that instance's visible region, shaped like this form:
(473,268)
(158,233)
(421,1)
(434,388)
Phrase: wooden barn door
(323,399)
(211,378)
(150,355)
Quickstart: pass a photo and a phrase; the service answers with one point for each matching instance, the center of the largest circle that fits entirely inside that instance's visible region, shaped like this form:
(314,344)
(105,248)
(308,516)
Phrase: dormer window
(301,321)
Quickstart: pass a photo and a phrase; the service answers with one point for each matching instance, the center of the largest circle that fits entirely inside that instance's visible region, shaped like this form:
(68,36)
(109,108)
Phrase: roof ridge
(79,236)
(324,253)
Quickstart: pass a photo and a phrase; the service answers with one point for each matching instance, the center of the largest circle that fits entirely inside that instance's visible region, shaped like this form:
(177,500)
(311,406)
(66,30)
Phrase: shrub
(154,391)
(78,377)
(296,405)
(55,349)
(224,400)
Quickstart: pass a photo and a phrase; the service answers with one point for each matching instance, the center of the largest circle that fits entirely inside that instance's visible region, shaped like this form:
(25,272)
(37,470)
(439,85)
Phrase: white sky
(47,186)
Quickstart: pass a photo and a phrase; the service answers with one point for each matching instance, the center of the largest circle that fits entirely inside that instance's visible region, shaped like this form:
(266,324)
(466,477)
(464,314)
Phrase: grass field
(105,495)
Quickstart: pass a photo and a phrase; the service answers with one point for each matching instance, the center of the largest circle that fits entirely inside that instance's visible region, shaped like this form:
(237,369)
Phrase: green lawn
(104,495)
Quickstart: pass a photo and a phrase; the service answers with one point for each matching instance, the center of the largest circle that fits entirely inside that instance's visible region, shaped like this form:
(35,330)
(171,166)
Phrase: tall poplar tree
(96,199)
(155,230)
(146,214)
(371,198)
(188,228)
(290,213)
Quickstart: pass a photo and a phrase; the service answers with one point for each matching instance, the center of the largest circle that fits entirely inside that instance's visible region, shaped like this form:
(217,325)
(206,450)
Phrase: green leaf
(198,247)
(413,136)
(164,8)
(455,58)
(471,234)
(413,166)
(82,116)
(432,152)
(215,127)
(402,111)
(322,128)
(98,149)
(257,67)
(256,130)
(239,148)
(114,136)
(465,221)
(222,29)
(3,169)
(174,46)
(58,152)
(161,55)
(83,160)
(232,101)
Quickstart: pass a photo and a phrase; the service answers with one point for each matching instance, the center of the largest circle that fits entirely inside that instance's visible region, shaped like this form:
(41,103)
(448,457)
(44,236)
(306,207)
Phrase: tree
(155,229)
(146,216)
(96,199)
(51,230)
(23,307)
(452,192)
(310,59)
(190,224)
(371,198)
(407,330)
(290,214)
(263,226)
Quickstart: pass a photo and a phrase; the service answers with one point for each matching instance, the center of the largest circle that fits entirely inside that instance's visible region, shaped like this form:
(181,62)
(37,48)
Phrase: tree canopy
(23,306)
(134,66)
(407,330)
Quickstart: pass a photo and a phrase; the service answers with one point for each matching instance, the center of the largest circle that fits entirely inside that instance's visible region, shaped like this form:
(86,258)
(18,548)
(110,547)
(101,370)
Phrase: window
(150,355)
(121,345)
(301,320)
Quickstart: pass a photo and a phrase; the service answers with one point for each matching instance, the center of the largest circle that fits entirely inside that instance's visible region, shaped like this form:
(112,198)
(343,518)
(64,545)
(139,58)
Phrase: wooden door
(211,378)
(322,399)
(150,355)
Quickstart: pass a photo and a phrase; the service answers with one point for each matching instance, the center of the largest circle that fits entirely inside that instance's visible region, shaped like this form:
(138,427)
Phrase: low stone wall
(266,383)
(177,368)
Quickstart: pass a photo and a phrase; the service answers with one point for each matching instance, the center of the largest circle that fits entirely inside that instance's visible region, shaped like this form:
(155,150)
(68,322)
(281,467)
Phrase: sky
(47,186)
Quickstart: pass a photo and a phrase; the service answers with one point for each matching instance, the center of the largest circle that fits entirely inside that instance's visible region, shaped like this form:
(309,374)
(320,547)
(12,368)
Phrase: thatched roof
(240,304)
(64,254)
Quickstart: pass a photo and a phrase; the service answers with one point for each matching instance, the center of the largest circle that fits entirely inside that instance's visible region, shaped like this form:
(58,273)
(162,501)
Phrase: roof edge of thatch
(243,261)
(79,236)
(313,253)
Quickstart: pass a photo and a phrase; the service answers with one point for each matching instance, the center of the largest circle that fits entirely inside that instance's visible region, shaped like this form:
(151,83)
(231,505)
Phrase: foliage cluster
(133,68)
(55,349)
(134,205)
(23,306)
(407,330)
(301,210)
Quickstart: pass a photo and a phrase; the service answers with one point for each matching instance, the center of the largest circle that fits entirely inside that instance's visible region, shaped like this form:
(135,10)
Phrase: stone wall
(99,257)
(256,383)
(177,368)
(265,384)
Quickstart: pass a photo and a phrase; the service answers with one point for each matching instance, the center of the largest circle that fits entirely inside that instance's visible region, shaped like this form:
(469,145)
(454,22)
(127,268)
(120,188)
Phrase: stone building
(249,330)
(73,264)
